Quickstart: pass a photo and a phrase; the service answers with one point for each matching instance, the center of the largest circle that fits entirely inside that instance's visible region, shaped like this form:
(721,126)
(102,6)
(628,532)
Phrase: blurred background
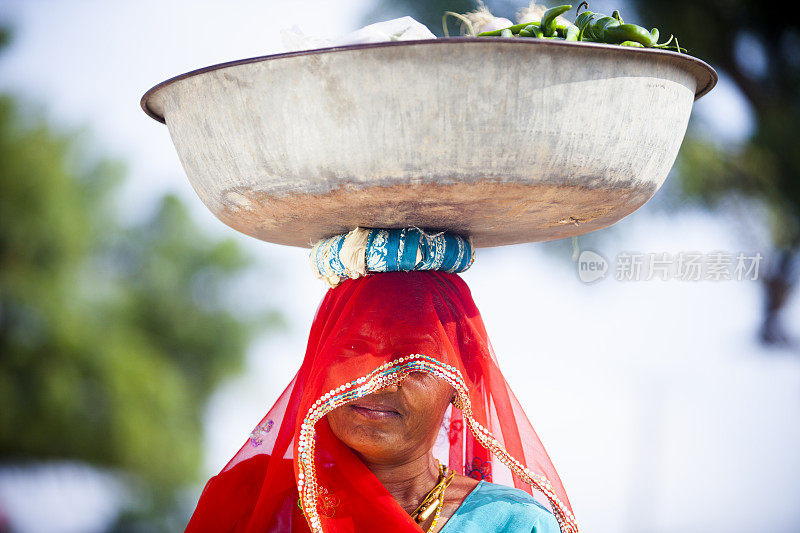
(141,340)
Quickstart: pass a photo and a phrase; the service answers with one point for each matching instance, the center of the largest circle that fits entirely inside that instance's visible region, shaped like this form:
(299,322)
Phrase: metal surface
(507,140)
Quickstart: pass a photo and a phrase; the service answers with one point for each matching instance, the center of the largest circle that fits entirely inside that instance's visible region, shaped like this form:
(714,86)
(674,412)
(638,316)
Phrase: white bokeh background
(658,407)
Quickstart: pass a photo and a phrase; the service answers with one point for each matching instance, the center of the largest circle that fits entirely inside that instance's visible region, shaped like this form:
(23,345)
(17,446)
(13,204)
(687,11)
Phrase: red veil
(294,475)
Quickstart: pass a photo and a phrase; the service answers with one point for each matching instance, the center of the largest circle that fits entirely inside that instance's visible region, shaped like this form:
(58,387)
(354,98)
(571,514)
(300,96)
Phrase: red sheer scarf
(294,475)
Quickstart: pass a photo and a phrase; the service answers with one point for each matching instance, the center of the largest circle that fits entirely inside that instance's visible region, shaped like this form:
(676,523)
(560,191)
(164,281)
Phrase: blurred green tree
(112,338)
(758,48)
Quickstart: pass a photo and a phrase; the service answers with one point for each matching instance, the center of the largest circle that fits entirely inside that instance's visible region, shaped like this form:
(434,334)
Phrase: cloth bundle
(364,250)
(399,29)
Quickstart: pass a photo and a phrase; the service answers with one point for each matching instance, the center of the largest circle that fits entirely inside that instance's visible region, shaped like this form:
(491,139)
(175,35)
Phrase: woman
(398,372)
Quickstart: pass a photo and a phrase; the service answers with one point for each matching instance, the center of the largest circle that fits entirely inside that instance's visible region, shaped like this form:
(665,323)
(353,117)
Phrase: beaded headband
(365,250)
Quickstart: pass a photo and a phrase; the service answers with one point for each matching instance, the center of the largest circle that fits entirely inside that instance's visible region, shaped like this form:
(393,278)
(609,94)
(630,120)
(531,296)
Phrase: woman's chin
(372,440)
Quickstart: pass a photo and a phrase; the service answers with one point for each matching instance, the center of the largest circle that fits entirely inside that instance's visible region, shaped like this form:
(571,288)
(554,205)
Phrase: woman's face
(396,423)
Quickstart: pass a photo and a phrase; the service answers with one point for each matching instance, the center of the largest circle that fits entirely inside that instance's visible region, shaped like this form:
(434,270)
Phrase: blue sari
(492,508)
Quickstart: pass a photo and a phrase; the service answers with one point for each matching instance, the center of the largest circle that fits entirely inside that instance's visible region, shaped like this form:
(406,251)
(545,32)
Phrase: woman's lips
(374,411)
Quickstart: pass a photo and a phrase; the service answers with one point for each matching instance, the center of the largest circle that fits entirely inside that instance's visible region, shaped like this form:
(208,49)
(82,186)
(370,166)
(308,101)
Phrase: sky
(656,404)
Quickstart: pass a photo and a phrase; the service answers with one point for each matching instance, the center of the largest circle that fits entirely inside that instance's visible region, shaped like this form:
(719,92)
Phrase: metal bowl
(507,140)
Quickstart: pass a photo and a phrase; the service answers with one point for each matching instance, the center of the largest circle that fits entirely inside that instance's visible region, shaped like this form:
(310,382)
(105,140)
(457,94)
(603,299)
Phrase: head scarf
(294,475)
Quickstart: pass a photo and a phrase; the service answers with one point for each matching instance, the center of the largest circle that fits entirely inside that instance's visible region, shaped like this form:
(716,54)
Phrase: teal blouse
(492,508)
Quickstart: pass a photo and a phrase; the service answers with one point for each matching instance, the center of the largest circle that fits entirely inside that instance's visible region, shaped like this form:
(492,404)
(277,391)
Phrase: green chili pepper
(571,33)
(589,34)
(599,28)
(548,24)
(654,35)
(665,43)
(514,29)
(531,30)
(627,32)
(563,27)
(588,26)
(583,22)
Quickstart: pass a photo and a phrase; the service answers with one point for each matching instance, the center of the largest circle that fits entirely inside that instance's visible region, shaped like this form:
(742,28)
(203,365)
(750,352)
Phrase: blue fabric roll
(391,250)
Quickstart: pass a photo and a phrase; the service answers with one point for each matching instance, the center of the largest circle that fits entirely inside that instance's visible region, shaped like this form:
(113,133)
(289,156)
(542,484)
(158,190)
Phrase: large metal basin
(506,140)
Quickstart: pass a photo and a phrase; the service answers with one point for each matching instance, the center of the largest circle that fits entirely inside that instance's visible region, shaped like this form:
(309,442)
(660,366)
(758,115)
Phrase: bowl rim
(705,74)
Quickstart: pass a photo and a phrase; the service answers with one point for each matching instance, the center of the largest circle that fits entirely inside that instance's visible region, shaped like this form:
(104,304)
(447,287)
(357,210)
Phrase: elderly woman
(398,420)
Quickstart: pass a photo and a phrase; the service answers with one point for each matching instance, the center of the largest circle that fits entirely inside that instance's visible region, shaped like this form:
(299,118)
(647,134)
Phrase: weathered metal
(509,141)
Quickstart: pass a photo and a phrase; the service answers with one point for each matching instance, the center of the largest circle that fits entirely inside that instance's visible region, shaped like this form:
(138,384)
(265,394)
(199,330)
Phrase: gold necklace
(434,500)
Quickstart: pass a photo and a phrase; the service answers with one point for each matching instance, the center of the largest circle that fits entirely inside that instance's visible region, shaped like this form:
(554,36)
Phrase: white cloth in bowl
(400,29)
